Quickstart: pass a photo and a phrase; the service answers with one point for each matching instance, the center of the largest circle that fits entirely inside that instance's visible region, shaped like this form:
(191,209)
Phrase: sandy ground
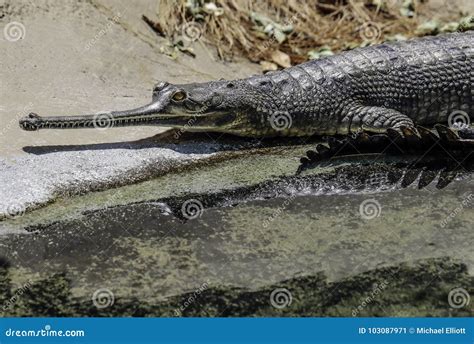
(84,57)
(74,59)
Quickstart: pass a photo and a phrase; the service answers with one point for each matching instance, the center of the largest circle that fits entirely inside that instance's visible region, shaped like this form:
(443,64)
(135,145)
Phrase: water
(227,238)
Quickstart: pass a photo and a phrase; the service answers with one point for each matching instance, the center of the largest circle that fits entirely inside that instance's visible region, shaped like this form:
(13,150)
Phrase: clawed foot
(405,141)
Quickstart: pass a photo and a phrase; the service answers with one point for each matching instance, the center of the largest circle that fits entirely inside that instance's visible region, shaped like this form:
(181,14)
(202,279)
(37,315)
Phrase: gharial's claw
(405,140)
(446,177)
(446,134)
(334,144)
(322,149)
(410,176)
(313,155)
(394,134)
(410,134)
(427,176)
(427,136)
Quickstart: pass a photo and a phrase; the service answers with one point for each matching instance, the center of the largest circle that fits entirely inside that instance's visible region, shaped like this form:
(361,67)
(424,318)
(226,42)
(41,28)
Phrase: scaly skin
(391,85)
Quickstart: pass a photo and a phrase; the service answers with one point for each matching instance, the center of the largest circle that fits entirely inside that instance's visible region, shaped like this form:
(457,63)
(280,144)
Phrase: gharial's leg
(361,122)
(376,119)
(372,129)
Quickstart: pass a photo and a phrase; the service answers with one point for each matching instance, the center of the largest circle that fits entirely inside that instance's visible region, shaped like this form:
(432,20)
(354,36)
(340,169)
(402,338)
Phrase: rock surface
(85,57)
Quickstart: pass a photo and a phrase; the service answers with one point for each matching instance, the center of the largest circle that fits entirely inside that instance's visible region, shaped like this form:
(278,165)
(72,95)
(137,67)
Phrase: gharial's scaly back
(425,79)
(387,86)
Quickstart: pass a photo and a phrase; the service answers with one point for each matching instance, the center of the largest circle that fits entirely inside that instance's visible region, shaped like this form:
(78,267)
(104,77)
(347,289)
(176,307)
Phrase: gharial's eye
(178,96)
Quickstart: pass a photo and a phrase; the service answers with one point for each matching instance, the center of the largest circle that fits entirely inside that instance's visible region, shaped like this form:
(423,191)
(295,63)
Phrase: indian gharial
(397,88)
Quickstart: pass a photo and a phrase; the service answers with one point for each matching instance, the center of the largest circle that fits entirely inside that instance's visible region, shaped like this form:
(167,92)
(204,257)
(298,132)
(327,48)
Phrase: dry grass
(337,24)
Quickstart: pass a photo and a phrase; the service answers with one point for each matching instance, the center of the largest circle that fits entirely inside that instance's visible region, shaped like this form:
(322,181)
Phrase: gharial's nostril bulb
(33,115)
(161,85)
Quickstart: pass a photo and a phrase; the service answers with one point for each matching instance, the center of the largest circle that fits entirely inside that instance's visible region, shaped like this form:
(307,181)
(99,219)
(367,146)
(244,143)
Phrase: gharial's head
(240,107)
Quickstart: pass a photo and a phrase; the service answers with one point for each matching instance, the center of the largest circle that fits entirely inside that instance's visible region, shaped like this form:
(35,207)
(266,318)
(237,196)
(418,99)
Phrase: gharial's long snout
(171,106)
(145,115)
(202,106)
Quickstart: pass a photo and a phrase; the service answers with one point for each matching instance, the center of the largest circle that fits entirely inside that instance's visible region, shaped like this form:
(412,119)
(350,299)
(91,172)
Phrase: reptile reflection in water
(342,175)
